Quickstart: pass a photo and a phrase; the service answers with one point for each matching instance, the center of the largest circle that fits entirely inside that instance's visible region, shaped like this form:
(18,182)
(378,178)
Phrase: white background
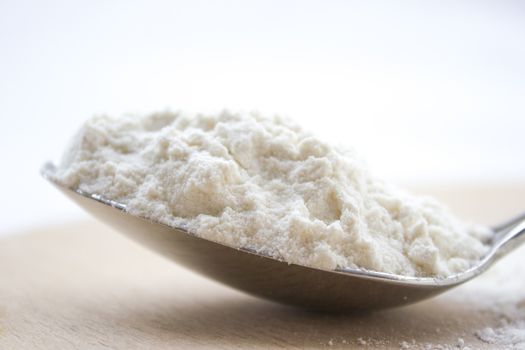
(427,92)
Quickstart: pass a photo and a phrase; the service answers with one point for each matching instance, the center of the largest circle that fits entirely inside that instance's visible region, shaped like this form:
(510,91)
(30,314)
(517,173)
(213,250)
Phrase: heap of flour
(267,185)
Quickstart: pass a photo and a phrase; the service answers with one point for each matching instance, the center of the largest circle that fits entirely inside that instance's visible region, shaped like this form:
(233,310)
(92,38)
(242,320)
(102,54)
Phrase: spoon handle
(509,236)
(509,223)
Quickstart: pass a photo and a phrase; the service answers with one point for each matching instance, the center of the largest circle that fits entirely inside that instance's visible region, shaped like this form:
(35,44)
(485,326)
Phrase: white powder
(509,305)
(266,185)
(508,333)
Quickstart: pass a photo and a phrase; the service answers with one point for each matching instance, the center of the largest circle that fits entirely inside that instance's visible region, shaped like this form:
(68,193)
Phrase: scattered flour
(510,332)
(361,341)
(267,185)
(460,345)
(497,297)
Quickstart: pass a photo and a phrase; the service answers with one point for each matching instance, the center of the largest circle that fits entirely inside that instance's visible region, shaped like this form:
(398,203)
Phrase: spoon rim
(48,169)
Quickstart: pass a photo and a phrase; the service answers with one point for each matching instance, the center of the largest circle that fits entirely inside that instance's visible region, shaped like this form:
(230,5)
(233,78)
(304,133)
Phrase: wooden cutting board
(81,285)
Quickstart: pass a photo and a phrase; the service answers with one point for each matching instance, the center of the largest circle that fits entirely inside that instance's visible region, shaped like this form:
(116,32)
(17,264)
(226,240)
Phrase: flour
(505,291)
(267,185)
(508,333)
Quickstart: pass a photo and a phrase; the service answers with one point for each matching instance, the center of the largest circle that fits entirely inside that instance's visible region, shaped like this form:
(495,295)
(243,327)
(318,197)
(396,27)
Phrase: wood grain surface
(81,285)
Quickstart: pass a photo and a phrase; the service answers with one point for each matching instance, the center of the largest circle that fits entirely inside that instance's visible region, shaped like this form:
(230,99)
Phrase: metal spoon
(340,290)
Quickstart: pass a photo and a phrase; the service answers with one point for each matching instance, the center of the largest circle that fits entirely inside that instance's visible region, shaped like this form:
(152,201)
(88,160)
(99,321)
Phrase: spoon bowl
(341,290)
